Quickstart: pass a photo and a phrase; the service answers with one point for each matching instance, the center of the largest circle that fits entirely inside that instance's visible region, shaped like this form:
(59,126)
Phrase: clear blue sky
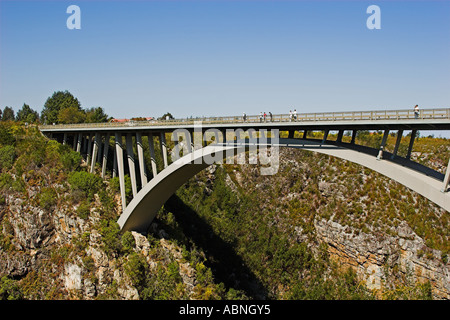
(144,58)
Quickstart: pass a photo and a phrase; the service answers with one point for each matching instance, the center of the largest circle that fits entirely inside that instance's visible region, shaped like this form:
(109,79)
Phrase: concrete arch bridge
(194,149)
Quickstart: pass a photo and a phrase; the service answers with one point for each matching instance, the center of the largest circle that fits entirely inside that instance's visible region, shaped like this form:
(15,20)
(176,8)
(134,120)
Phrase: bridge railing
(441,113)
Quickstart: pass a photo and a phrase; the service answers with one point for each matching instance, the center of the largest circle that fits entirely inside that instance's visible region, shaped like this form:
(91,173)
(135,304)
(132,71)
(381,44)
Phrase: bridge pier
(446,178)
(114,173)
(140,149)
(79,142)
(74,142)
(105,155)
(84,144)
(89,149)
(119,152)
(131,163)
(325,136)
(354,132)
(152,154)
(94,152)
(305,134)
(339,137)
(383,144)
(397,143)
(411,143)
(163,145)
(291,134)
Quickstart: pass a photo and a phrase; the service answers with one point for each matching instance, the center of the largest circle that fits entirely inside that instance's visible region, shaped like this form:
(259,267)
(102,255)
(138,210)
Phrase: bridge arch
(142,209)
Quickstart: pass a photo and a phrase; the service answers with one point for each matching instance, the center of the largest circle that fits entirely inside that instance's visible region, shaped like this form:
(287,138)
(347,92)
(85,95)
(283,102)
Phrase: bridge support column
(80,137)
(339,137)
(95,151)
(99,150)
(325,136)
(354,132)
(305,133)
(163,145)
(397,143)
(114,173)
(140,149)
(446,178)
(383,144)
(105,155)
(152,154)
(83,143)
(64,138)
(131,166)
(291,134)
(411,143)
(74,146)
(189,137)
(224,136)
(119,157)
(89,150)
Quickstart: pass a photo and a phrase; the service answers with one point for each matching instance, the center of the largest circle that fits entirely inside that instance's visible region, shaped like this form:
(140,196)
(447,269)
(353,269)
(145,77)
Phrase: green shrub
(128,242)
(9,289)
(6,181)
(84,210)
(7,156)
(70,159)
(47,198)
(6,136)
(136,268)
(110,232)
(87,182)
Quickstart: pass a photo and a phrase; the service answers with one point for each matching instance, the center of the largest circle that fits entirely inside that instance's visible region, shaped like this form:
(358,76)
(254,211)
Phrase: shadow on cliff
(227,266)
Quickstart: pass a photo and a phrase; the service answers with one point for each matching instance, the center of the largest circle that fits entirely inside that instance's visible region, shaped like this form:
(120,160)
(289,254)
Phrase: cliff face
(55,254)
(383,260)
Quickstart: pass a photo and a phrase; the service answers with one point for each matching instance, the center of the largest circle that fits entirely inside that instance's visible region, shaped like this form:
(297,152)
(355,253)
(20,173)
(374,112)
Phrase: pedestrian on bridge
(416,111)
(244,116)
(295,114)
(290,115)
(271,117)
(260,116)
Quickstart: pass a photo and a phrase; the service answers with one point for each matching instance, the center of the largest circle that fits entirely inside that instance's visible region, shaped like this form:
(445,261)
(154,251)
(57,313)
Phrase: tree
(8,114)
(60,100)
(165,116)
(26,114)
(71,115)
(1,114)
(96,115)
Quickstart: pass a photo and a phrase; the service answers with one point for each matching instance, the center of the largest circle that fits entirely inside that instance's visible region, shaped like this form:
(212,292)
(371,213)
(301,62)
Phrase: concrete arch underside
(142,209)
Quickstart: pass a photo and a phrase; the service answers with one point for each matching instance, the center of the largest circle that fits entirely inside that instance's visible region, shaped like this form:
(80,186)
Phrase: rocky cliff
(384,261)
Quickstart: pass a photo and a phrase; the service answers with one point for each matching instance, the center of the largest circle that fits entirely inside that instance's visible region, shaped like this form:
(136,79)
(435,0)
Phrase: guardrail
(442,113)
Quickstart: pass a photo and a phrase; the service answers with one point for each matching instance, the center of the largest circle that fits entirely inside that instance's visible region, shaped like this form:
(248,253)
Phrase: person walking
(244,116)
(265,115)
(416,111)
(290,115)
(260,116)
(295,114)
(271,118)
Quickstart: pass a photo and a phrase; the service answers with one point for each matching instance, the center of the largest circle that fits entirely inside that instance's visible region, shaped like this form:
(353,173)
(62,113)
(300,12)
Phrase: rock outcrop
(384,260)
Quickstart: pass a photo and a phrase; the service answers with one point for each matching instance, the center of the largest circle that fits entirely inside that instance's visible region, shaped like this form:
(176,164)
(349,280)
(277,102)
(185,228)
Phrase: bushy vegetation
(87,182)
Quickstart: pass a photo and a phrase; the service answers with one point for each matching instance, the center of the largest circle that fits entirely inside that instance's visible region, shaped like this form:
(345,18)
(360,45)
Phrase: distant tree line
(62,107)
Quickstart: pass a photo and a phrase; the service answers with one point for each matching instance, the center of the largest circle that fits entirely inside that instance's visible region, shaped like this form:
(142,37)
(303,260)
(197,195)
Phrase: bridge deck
(428,119)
